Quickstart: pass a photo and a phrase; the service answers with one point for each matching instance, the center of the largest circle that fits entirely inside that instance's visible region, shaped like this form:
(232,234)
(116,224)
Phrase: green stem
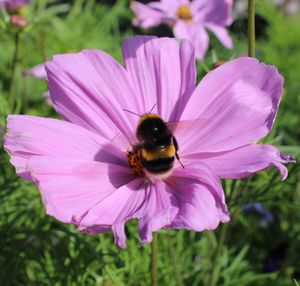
(42,45)
(251,28)
(13,71)
(154,260)
(216,267)
(176,270)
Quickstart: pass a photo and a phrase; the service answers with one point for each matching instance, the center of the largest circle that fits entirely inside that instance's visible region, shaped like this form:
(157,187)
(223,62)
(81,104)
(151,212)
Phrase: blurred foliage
(37,250)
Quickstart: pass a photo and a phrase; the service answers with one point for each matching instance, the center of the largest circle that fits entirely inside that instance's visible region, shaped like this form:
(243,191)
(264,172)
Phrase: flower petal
(213,11)
(245,161)
(192,198)
(159,211)
(29,136)
(114,210)
(200,198)
(13,4)
(70,188)
(222,34)
(146,16)
(37,71)
(91,89)
(196,34)
(163,73)
(237,102)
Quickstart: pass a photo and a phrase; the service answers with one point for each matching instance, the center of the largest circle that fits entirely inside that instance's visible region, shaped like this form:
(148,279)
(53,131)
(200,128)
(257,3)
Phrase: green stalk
(13,71)
(154,260)
(216,267)
(251,28)
(176,270)
(42,45)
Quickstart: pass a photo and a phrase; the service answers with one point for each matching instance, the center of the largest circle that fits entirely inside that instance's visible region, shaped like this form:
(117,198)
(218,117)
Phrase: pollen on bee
(134,162)
(184,13)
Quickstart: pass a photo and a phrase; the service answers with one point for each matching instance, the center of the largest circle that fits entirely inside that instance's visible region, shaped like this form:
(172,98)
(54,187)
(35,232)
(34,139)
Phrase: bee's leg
(176,149)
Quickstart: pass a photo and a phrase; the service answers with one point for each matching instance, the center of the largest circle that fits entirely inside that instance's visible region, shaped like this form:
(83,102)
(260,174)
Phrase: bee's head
(151,128)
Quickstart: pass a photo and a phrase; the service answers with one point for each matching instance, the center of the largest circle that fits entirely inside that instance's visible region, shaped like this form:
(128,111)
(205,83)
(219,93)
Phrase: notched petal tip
(285,159)
(119,234)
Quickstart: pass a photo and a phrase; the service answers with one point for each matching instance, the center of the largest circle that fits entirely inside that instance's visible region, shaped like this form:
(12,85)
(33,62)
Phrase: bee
(156,149)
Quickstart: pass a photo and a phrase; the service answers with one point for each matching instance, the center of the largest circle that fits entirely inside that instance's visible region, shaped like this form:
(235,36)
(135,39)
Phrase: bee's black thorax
(155,148)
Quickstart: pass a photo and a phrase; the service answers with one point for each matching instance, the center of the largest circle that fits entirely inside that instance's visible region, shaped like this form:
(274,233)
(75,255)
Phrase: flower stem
(216,266)
(154,260)
(15,59)
(42,45)
(175,266)
(251,28)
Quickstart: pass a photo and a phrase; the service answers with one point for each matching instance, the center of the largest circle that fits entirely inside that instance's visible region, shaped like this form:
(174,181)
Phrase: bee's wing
(188,125)
(189,131)
(123,141)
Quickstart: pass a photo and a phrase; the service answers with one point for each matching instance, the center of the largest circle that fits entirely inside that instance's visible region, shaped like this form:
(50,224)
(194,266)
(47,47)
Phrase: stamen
(134,162)
(184,13)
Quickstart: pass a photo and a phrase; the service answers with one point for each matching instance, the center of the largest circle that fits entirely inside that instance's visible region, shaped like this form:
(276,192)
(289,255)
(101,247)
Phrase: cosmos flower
(13,4)
(39,71)
(80,164)
(189,19)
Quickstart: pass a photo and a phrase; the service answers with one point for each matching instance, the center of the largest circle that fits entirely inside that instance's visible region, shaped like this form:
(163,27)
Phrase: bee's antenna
(152,108)
(181,164)
(178,159)
(132,112)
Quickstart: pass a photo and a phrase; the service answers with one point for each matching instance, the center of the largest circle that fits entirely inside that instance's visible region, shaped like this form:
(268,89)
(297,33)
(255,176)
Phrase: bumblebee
(156,149)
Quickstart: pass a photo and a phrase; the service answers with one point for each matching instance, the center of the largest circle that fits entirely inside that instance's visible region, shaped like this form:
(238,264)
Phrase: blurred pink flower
(18,21)
(13,4)
(39,71)
(80,165)
(189,19)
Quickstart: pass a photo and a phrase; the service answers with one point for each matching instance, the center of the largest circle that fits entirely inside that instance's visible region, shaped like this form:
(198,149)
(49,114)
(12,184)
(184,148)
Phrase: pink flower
(39,71)
(13,4)
(81,167)
(18,21)
(188,19)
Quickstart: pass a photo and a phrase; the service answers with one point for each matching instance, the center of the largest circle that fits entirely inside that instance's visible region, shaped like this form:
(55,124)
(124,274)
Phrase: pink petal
(163,73)
(13,4)
(213,11)
(18,21)
(159,211)
(222,34)
(37,71)
(146,16)
(237,102)
(29,136)
(200,198)
(71,187)
(196,34)
(192,198)
(171,6)
(91,89)
(114,210)
(245,161)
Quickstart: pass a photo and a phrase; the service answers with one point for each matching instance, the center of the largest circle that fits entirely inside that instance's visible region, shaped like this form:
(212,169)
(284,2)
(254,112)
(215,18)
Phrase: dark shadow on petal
(119,172)
(109,153)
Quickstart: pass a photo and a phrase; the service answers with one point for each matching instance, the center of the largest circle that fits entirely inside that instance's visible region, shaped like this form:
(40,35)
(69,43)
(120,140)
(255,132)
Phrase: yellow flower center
(184,13)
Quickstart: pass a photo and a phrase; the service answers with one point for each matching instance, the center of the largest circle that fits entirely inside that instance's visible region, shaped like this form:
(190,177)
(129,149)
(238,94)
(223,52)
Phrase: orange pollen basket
(185,14)
(134,162)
